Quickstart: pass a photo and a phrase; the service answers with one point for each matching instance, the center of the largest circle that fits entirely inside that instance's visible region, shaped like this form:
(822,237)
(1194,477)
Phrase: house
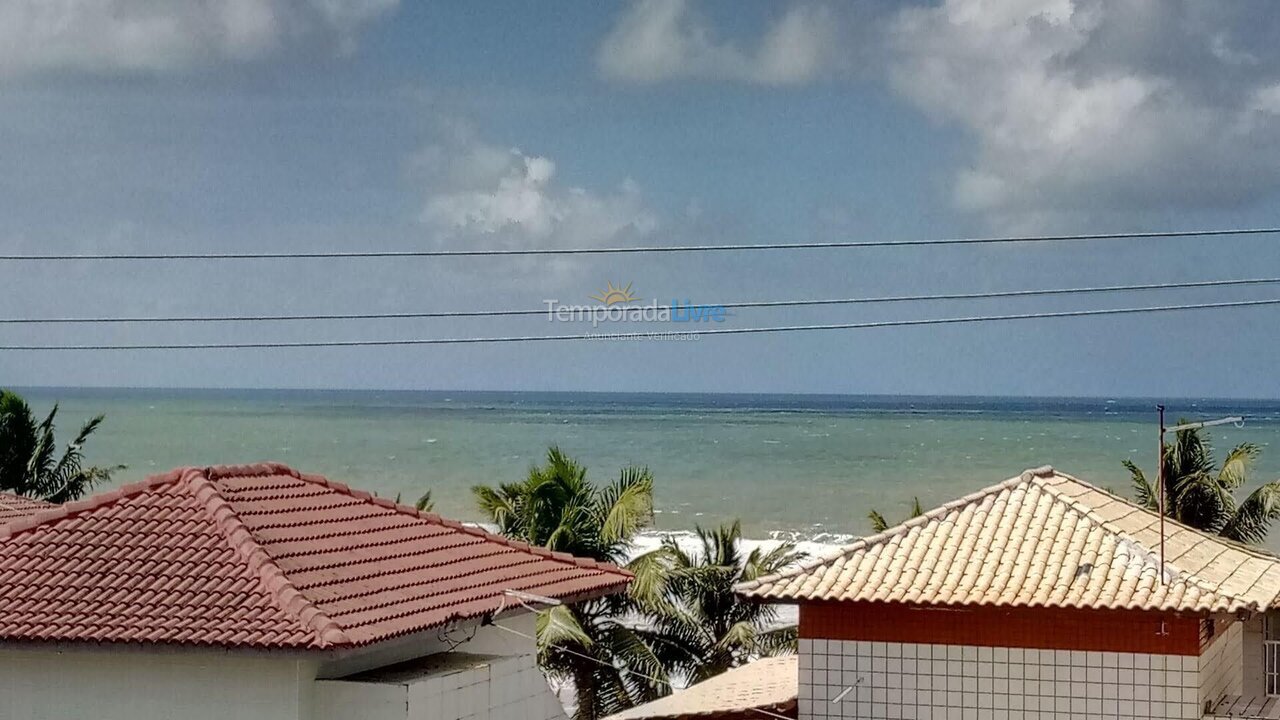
(259,593)
(759,690)
(1040,597)
(15,507)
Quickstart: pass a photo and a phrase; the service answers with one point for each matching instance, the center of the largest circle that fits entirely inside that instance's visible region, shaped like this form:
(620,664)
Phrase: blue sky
(351,124)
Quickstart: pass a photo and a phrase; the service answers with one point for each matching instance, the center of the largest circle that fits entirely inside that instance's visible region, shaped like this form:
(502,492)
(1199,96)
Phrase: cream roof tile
(1042,539)
(769,684)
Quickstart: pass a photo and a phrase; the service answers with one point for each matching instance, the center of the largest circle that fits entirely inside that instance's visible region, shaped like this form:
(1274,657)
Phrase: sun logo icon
(613,296)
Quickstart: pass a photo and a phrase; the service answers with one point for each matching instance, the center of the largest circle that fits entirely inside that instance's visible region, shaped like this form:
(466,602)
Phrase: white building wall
(99,683)
(906,681)
(1222,664)
(133,685)
(1253,664)
(472,687)
(475,673)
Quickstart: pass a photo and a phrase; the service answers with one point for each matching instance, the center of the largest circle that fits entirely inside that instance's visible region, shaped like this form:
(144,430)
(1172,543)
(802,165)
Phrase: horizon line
(733,393)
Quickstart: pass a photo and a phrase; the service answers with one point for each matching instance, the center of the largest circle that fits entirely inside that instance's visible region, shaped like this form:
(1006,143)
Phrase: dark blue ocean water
(809,465)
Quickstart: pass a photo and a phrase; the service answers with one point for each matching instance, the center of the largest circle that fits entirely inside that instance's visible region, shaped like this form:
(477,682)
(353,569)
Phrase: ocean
(805,467)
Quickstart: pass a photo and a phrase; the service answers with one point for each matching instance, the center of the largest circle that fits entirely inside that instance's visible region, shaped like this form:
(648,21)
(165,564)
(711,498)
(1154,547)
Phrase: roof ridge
(565,558)
(327,632)
(56,512)
(1030,476)
(1090,514)
(1260,553)
(800,568)
(14,501)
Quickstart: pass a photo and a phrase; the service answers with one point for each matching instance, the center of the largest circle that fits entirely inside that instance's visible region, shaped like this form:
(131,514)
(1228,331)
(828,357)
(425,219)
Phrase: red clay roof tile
(261,556)
(14,507)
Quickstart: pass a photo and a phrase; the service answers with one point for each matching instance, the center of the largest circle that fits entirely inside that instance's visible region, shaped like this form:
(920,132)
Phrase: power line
(749,304)
(491,252)
(648,334)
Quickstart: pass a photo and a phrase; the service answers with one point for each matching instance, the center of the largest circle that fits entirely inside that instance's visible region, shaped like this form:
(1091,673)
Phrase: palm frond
(625,506)
(680,558)
(1236,465)
(1201,502)
(1252,520)
(29,464)
(79,484)
(758,565)
(40,464)
(1191,453)
(878,523)
(499,506)
(680,618)
(66,475)
(425,503)
(739,635)
(564,538)
(610,693)
(649,587)
(17,441)
(1200,495)
(638,657)
(1144,493)
(559,627)
(779,641)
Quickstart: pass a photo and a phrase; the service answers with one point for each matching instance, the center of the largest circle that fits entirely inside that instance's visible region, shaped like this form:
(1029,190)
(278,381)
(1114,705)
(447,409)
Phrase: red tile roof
(262,556)
(13,507)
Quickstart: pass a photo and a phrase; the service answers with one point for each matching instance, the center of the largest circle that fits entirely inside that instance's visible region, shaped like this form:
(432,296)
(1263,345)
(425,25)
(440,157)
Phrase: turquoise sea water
(808,466)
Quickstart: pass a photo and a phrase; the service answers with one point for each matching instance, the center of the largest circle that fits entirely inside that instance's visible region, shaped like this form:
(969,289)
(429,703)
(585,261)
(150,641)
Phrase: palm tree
(28,465)
(879,524)
(1200,494)
(587,643)
(712,629)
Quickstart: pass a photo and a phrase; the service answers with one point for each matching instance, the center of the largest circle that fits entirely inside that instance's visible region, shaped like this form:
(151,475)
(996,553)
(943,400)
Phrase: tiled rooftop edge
(56,513)
(1042,477)
(301,615)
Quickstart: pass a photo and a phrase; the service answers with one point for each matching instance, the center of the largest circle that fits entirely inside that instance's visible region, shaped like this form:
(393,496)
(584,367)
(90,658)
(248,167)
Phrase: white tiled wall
(900,681)
(1222,664)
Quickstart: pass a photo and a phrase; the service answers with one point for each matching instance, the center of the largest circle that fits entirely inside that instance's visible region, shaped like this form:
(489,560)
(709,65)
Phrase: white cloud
(514,199)
(1267,99)
(657,40)
(1081,106)
(111,36)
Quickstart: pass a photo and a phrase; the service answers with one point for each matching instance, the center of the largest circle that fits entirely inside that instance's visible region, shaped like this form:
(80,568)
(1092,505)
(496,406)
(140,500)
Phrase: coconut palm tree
(1200,493)
(29,464)
(608,661)
(710,628)
(879,524)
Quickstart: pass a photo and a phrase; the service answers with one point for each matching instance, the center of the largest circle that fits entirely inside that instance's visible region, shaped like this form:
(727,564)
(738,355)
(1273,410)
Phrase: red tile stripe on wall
(1051,628)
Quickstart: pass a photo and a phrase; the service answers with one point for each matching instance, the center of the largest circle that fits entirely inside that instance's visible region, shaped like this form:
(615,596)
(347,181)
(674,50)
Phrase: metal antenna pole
(1235,420)
(1160,485)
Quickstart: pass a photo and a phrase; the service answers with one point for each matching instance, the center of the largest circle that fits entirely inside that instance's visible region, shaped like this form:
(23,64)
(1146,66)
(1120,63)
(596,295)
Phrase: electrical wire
(544,311)
(646,334)
(733,247)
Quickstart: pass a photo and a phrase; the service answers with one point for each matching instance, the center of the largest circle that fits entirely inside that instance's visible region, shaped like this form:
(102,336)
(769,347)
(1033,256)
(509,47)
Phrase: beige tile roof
(768,683)
(1040,539)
